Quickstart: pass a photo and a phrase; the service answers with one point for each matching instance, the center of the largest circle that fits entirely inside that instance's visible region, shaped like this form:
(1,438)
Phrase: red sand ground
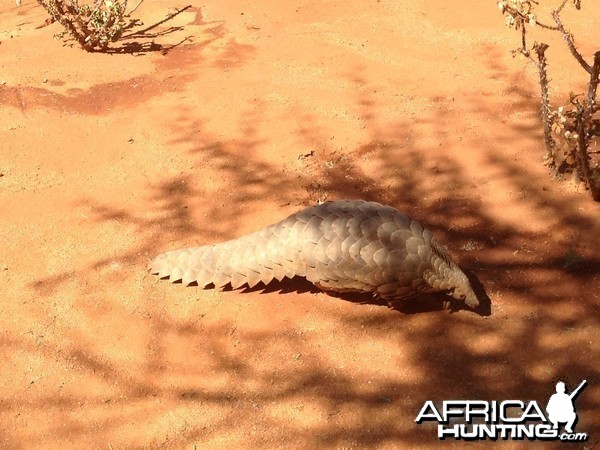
(239,114)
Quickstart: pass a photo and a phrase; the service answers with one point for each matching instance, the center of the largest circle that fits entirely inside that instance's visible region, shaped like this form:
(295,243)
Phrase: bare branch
(569,40)
(582,155)
(591,96)
(540,50)
(166,19)
(560,8)
(135,7)
(524,42)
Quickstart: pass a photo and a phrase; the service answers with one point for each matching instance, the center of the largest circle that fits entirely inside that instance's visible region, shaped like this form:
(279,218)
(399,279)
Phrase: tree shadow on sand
(257,378)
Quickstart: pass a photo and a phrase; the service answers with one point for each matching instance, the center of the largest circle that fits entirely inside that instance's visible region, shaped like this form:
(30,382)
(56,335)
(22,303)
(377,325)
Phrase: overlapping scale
(341,246)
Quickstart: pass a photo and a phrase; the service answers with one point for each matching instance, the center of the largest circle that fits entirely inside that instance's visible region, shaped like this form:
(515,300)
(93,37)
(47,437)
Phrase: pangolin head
(462,289)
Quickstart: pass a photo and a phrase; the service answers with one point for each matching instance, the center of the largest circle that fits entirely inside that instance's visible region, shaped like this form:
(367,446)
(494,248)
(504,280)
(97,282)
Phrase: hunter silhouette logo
(560,406)
(508,419)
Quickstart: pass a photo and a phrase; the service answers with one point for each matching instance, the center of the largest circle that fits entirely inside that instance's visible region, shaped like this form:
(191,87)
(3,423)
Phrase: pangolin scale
(341,246)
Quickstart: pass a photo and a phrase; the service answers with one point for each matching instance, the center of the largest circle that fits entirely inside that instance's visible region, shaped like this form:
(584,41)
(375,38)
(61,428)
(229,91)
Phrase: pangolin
(340,246)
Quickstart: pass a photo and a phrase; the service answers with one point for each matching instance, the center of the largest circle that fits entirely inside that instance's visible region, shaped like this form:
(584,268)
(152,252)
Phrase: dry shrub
(93,26)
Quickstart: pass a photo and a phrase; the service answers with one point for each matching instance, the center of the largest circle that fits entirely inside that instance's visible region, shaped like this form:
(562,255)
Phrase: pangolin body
(346,245)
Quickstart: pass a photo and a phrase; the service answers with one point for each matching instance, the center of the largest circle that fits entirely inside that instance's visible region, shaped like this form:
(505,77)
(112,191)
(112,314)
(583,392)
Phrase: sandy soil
(227,118)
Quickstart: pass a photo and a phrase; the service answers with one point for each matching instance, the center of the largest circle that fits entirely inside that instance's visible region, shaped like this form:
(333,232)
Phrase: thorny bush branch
(571,130)
(93,27)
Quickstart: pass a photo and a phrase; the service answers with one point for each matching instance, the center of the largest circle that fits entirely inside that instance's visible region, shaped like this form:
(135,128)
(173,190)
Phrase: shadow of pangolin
(339,246)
